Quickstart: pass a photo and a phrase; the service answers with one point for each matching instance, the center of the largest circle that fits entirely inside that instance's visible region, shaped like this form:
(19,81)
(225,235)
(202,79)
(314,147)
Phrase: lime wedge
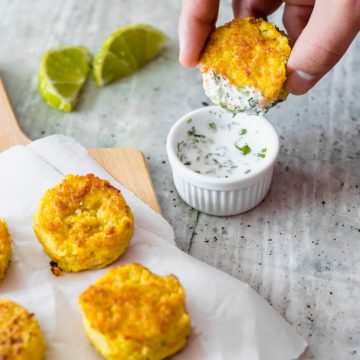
(125,51)
(63,72)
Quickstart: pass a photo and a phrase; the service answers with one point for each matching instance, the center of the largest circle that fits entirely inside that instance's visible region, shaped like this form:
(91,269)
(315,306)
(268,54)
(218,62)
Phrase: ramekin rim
(209,181)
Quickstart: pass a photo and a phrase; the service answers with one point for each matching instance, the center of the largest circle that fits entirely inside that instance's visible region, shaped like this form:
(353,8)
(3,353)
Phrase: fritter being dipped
(5,249)
(20,334)
(83,223)
(244,65)
(131,313)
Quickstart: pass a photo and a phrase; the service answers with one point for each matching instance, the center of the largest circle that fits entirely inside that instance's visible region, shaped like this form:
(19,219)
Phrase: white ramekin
(221,196)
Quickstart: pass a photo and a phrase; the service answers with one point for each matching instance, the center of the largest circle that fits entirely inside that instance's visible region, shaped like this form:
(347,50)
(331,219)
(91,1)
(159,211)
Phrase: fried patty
(249,53)
(20,334)
(83,223)
(131,313)
(5,249)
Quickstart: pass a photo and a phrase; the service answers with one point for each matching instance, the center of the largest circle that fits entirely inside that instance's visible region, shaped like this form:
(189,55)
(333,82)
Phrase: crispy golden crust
(131,313)
(83,223)
(20,334)
(249,52)
(5,249)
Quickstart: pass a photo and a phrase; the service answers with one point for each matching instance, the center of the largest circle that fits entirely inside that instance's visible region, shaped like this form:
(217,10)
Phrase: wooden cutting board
(126,164)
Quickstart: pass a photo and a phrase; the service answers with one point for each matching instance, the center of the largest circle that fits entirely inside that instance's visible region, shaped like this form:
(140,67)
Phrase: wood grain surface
(10,133)
(127,165)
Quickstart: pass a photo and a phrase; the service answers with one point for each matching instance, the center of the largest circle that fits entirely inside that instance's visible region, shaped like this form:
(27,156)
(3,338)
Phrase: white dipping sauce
(234,99)
(223,146)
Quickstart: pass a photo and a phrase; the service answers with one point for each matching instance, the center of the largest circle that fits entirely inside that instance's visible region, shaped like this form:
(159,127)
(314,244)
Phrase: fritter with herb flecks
(244,65)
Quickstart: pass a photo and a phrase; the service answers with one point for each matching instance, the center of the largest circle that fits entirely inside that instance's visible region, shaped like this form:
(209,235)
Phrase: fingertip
(299,82)
(197,20)
(187,63)
(192,46)
(187,60)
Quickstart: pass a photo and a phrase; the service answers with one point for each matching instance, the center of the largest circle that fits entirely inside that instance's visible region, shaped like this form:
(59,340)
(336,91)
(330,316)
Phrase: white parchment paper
(230,321)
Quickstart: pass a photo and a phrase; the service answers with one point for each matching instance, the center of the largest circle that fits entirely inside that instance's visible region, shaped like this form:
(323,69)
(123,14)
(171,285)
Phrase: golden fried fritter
(83,223)
(20,334)
(5,249)
(131,313)
(249,54)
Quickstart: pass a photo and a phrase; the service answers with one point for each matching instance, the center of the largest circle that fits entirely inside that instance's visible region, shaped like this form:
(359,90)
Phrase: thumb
(331,28)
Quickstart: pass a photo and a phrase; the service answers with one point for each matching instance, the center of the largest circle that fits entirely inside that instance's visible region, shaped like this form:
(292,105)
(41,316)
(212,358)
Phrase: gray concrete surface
(300,249)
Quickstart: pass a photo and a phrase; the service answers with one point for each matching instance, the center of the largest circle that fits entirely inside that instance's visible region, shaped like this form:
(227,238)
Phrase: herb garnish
(218,163)
(243,131)
(252,102)
(210,153)
(187,163)
(192,132)
(244,149)
(189,120)
(262,153)
(214,76)
(212,125)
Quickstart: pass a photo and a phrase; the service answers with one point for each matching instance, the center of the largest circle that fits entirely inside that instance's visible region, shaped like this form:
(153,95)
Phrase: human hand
(321,31)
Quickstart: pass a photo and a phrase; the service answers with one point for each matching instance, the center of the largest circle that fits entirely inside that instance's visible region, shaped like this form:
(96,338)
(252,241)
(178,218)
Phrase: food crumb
(55,268)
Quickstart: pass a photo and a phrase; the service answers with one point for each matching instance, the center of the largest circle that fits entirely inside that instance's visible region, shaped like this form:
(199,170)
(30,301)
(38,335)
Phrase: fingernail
(305,76)
(299,82)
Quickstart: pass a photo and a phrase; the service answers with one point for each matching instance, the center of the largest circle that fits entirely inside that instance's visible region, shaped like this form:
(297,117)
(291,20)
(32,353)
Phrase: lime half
(63,72)
(125,51)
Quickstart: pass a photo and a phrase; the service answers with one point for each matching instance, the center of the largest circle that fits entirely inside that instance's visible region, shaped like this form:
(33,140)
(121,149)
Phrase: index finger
(197,20)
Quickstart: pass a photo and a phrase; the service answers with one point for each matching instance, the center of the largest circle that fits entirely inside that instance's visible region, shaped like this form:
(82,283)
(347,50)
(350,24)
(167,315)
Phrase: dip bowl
(238,192)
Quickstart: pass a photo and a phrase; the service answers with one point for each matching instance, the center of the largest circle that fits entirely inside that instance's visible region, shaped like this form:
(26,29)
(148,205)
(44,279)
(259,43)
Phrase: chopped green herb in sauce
(220,148)
(262,153)
(244,149)
(214,76)
(218,163)
(192,132)
(252,102)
